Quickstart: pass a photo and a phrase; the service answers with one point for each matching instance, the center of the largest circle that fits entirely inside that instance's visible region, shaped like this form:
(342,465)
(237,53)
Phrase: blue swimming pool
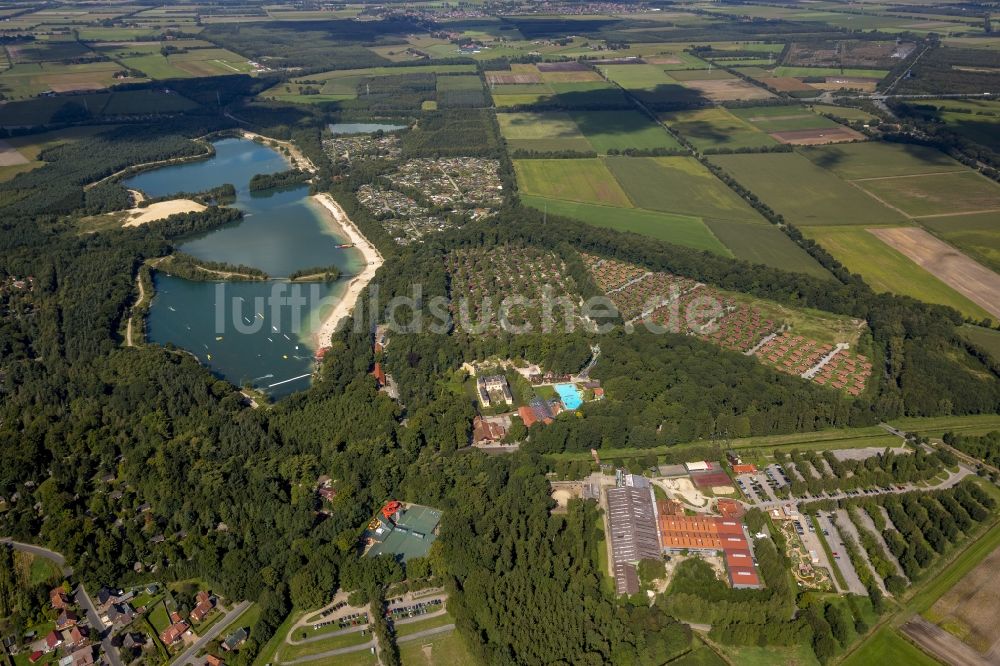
(569,395)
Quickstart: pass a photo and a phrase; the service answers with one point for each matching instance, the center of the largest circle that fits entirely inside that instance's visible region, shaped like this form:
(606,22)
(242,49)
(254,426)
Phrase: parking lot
(760,487)
(414,609)
(841,560)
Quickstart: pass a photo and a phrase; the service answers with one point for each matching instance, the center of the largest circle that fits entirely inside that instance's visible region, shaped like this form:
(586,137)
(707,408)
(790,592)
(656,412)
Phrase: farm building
(632,526)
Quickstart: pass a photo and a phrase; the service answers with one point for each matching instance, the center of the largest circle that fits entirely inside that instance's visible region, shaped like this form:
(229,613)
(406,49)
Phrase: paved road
(50,555)
(94,620)
(941,644)
(188,655)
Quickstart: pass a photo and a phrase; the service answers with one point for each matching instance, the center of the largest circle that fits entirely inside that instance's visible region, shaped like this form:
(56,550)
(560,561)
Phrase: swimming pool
(569,395)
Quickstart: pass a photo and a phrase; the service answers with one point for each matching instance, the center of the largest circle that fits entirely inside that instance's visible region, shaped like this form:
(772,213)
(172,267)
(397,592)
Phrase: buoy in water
(284,356)
(218,338)
(209,357)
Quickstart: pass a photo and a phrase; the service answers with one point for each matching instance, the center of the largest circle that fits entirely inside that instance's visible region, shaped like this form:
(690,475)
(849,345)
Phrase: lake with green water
(257,333)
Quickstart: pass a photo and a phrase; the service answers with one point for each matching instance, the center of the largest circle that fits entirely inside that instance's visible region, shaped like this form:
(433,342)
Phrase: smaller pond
(363,128)
(569,395)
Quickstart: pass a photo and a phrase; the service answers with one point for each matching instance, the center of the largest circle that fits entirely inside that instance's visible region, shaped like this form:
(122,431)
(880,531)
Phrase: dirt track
(967,277)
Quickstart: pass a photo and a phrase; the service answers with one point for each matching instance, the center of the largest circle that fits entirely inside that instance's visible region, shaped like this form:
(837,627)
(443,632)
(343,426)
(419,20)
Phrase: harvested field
(512,78)
(969,278)
(976,234)
(9,155)
(785,83)
(728,89)
(941,644)
(817,137)
(663,60)
(970,608)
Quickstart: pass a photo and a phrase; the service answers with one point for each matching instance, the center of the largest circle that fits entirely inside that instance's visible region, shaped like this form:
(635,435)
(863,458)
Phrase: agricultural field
(723,89)
(968,609)
(886,646)
(973,119)
(855,247)
(976,234)
(679,185)
(937,194)
(587,180)
(680,229)
(542,132)
(845,112)
(765,244)
(804,193)
(716,128)
(973,280)
(797,125)
(879,160)
(621,130)
(346,84)
(24,81)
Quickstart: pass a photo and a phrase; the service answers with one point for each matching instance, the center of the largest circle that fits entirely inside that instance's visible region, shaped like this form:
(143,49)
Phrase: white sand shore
(373,259)
(159,211)
(295,156)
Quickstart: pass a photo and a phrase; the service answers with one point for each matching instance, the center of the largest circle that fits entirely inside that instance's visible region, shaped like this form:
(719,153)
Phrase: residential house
(173,633)
(120,614)
(53,640)
(493,384)
(59,599)
(66,620)
(235,639)
(203,608)
(83,657)
(133,640)
(75,637)
(212,660)
(487,432)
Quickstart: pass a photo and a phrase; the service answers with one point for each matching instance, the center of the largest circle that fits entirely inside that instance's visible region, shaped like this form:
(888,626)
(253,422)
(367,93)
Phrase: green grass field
(938,194)
(873,159)
(804,193)
(440,650)
(887,647)
(408,628)
(287,652)
(783,118)
(935,426)
(716,128)
(701,655)
(987,339)
(829,71)
(765,244)
(586,180)
(772,655)
(680,229)
(634,77)
(679,185)
(542,131)
(845,112)
(886,269)
(620,130)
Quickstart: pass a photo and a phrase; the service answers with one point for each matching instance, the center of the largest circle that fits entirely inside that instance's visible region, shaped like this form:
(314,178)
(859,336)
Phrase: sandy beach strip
(373,259)
(160,211)
(295,156)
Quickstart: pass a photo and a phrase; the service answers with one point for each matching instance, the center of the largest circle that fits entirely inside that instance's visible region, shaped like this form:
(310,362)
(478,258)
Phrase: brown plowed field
(817,137)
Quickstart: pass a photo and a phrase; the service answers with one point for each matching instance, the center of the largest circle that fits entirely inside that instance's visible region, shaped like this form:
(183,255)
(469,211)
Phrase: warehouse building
(709,535)
(633,532)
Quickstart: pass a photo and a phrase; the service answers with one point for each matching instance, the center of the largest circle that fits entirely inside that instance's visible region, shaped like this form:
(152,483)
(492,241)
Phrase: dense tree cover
(882,470)
(985,447)
(267,181)
(324,273)
(191,268)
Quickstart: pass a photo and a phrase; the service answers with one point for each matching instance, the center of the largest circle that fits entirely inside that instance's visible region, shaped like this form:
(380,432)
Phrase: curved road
(45,553)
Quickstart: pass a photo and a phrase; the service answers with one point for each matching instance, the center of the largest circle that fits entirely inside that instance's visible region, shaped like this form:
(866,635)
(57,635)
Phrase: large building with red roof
(711,534)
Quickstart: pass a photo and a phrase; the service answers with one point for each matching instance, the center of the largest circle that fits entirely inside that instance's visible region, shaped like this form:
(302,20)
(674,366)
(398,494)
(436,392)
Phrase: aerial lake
(249,332)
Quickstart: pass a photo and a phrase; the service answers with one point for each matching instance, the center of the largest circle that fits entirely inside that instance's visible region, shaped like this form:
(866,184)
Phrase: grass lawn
(621,130)
(440,650)
(765,244)
(935,426)
(938,194)
(887,647)
(288,652)
(874,159)
(680,229)
(266,655)
(803,192)
(420,625)
(978,235)
(701,655)
(586,180)
(772,655)
(679,185)
(886,269)
(987,339)
(716,128)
